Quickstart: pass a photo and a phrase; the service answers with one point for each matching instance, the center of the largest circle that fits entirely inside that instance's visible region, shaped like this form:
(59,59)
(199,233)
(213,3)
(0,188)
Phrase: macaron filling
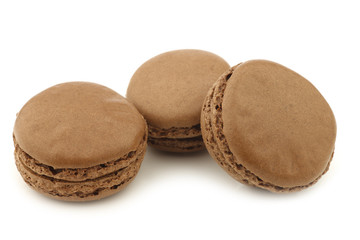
(175,132)
(177,144)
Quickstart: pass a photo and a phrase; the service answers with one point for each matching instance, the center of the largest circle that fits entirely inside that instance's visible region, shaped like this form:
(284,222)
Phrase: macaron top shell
(169,89)
(277,124)
(78,125)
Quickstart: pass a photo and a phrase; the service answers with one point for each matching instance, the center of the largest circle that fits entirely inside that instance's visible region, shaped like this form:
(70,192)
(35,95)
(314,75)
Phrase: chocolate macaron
(79,141)
(269,127)
(169,90)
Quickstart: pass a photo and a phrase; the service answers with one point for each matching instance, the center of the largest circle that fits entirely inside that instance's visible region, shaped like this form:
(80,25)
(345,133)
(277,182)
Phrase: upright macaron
(269,127)
(79,141)
(169,90)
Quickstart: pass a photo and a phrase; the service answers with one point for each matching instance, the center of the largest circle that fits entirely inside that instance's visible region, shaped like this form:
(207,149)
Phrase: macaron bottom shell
(176,139)
(180,145)
(79,191)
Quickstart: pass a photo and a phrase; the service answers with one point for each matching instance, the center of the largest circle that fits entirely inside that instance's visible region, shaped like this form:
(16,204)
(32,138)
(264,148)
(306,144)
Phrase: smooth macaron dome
(169,90)
(79,141)
(269,127)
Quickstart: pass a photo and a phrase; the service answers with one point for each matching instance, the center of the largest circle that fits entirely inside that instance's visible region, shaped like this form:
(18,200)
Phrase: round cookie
(169,90)
(79,141)
(269,127)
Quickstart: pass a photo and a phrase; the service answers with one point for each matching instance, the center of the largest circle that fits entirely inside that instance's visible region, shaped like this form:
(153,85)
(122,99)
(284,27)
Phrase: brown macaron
(169,90)
(79,141)
(269,127)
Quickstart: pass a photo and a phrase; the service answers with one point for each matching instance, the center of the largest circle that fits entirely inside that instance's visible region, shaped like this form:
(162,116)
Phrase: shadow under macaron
(158,163)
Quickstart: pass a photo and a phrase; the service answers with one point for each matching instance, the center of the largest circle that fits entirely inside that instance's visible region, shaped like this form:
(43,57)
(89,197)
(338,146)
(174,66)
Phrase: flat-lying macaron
(79,141)
(269,127)
(169,90)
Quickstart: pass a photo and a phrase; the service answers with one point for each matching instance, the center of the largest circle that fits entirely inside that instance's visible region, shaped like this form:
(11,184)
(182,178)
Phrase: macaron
(168,90)
(79,141)
(269,127)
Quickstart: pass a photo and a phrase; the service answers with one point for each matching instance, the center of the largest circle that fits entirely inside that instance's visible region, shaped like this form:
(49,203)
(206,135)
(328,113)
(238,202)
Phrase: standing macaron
(79,141)
(269,127)
(169,90)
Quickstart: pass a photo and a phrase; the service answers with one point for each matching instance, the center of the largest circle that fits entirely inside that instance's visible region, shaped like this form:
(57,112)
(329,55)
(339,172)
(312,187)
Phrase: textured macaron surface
(277,124)
(78,125)
(81,184)
(169,89)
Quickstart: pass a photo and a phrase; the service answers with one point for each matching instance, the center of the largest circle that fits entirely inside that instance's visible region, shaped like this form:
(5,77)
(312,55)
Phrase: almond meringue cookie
(269,127)
(79,141)
(169,90)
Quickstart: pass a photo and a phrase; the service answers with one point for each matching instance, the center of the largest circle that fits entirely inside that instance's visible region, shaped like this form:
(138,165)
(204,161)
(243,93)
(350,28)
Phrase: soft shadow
(259,192)
(157,164)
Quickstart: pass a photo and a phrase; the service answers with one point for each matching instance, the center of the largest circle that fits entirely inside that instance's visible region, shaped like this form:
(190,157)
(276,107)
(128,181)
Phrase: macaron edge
(35,180)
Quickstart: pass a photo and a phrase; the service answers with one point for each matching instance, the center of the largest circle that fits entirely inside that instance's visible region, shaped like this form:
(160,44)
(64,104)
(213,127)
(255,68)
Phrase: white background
(187,196)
